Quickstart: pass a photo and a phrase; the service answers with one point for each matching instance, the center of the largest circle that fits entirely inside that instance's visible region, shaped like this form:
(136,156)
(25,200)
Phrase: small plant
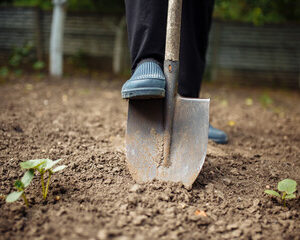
(22,55)
(287,187)
(4,71)
(44,167)
(20,186)
(266,100)
(38,65)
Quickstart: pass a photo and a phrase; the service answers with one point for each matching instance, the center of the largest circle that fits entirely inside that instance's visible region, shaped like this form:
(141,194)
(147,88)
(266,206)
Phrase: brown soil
(83,122)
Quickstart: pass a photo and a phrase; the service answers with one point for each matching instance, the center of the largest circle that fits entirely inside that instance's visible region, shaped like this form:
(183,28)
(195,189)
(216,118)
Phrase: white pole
(118,52)
(56,38)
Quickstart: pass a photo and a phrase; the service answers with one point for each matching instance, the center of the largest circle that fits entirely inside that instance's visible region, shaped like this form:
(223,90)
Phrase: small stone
(234,171)
(79,230)
(123,207)
(227,181)
(122,238)
(257,237)
(136,188)
(139,237)
(170,212)
(245,224)
(61,212)
(211,229)
(252,209)
(182,205)
(236,233)
(102,234)
(138,220)
(256,228)
(164,197)
(122,221)
(116,169)
(108,181)
(232,226)
(209,188)
(256,202)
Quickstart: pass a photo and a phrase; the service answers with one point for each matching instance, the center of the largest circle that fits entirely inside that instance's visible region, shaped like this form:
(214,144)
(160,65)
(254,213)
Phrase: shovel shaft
(171,69)
(173,30)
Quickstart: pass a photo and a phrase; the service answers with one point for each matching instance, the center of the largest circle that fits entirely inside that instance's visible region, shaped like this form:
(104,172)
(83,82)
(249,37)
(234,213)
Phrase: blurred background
(252,42)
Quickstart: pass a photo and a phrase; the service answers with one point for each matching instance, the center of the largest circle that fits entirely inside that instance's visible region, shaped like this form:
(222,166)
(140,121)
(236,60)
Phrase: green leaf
(14,196)
(59,168)
(19,185)
(290,196)
(28,176)
(49,163)
(32,163)
(38,65)
(287,185)
(273,193)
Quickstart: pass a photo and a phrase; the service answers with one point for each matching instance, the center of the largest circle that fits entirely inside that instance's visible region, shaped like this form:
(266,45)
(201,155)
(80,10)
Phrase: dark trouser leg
(146,20)
(196,22)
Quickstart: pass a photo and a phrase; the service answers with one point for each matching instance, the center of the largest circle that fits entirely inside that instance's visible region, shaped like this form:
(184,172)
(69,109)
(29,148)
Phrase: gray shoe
(217,135)
(148,81)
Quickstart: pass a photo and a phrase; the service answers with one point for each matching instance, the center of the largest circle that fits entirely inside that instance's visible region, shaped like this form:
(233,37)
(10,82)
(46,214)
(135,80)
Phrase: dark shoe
(218,136)
(148,81)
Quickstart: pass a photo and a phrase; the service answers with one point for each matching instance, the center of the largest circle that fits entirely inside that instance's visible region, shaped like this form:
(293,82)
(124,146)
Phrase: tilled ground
(83,122)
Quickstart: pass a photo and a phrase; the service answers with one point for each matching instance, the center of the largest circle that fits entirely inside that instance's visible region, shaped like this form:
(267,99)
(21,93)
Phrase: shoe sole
(143,93)
(218,141)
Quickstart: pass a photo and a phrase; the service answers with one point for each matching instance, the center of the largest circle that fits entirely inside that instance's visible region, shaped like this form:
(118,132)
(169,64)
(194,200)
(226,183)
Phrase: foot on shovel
(147,82)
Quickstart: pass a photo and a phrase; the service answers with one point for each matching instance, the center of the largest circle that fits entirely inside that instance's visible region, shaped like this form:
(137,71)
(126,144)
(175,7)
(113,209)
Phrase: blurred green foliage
(38,65)
(258,11)
(109,6)
(22,55)
(22,58)
(255,11)
(265,100)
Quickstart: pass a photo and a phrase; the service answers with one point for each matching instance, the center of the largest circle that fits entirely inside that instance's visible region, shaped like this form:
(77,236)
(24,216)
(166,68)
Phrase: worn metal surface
(144,140)
(171,70)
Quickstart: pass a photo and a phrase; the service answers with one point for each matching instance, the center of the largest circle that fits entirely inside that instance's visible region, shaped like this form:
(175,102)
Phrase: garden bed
(83,122)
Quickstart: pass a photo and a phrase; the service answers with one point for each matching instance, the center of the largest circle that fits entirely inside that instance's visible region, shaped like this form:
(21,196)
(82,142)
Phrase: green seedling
(44,167)
(266,100)
(20,185)
(288,188)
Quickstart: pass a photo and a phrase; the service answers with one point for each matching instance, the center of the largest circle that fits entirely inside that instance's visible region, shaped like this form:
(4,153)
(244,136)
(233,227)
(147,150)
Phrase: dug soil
(83,122)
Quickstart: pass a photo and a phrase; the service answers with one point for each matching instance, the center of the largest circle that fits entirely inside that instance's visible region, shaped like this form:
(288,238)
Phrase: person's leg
(146,24)
(196,23)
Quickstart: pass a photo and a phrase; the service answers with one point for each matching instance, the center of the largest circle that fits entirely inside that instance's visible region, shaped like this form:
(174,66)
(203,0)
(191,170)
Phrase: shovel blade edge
(144,140)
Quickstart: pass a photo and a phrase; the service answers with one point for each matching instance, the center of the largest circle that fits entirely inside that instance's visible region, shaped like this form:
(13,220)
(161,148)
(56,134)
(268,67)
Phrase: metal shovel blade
(144,140)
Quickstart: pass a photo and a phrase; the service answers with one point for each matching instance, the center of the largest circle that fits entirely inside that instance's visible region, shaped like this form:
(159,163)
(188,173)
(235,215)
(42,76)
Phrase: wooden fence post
(215,51)
(118,53)
(39,34)
(56,38)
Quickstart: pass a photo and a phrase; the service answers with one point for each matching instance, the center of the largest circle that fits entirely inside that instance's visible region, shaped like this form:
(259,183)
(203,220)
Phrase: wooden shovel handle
(173,30)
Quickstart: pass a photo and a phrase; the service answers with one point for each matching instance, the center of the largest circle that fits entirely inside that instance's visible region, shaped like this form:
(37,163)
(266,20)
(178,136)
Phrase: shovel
(166,139)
